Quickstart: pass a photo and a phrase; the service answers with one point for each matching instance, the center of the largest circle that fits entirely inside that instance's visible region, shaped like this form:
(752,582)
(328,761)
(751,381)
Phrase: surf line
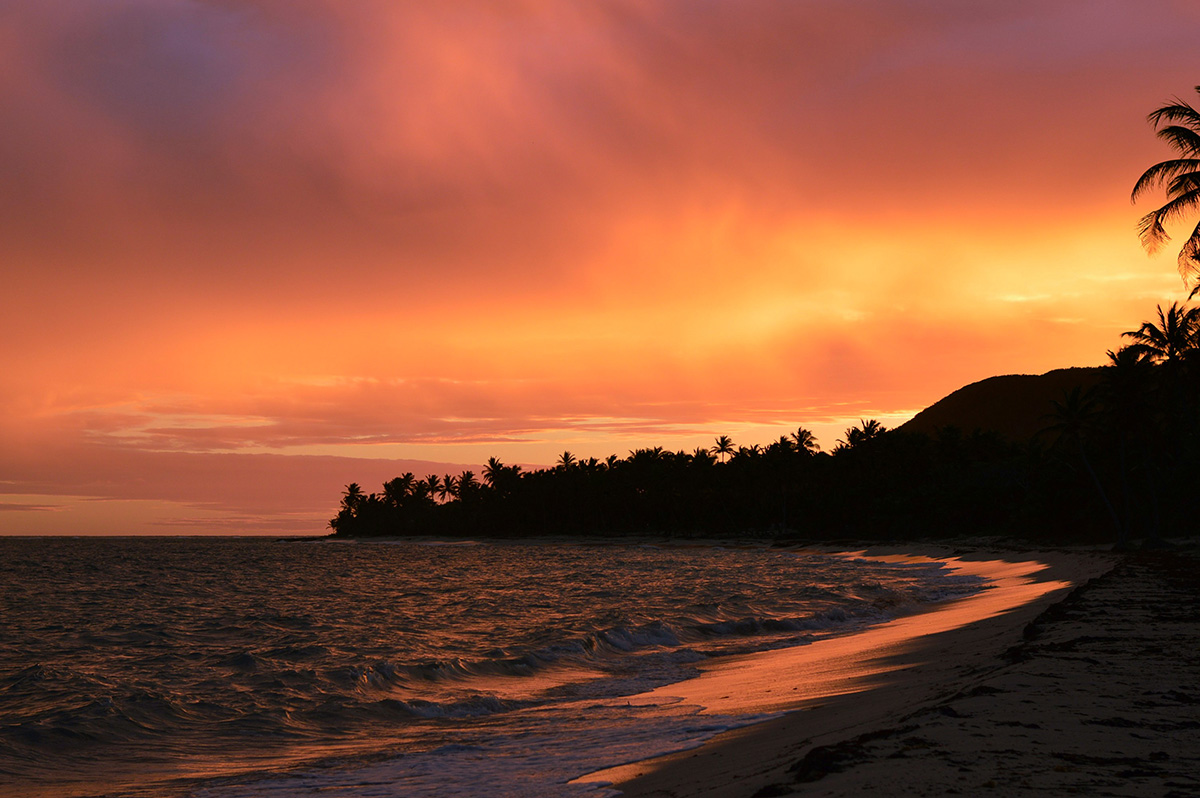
(805,676)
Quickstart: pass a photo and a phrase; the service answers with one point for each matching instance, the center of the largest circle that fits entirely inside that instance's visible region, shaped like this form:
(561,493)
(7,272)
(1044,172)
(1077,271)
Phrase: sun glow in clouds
(299,245)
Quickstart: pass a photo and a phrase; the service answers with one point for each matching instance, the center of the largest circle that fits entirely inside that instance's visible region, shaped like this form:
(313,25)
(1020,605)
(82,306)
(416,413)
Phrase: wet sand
(793,678)
(1090,691)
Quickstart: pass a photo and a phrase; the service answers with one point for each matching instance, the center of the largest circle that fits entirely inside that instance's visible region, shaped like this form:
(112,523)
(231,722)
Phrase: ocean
(232,667)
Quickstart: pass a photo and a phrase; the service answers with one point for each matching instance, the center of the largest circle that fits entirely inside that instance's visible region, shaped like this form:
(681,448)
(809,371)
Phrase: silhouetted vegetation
(1178,124)
(1112,462)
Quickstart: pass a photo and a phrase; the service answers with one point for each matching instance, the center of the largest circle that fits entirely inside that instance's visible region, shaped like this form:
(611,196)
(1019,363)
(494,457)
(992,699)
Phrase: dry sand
(1095,691)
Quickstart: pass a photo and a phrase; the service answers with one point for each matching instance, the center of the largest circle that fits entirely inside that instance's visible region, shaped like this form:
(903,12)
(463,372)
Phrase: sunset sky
(253,250)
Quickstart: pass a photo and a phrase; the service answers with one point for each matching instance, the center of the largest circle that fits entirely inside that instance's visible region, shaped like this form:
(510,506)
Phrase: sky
(254,250)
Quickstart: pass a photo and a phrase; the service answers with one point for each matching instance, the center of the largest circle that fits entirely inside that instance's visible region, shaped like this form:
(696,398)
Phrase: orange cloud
(261,236)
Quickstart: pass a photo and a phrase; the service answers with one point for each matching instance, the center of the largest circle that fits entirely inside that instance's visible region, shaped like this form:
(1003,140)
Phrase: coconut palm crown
(1178,124)
(1172,339)
(723,448)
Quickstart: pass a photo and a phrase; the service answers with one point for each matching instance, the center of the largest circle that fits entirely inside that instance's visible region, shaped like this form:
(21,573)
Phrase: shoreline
(840,688)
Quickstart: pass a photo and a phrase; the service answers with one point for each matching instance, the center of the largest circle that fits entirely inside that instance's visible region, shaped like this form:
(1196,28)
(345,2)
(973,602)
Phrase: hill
(1014,405)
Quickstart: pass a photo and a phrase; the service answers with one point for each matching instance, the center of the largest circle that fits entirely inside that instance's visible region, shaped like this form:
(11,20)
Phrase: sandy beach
(1087,686)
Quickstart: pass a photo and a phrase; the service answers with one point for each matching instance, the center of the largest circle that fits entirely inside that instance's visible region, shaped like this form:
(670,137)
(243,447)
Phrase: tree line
(1111,463)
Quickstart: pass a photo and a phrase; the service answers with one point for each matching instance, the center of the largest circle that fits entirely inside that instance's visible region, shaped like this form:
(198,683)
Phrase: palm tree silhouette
(646,455)
(1179,125)
(395,491)
(1171,339)
(466,485)
(747,452)
(1072,419)
(353,497)
(805,441)
(566,460)
(865,431)
(493,471)
(723,448)
(1128,385)
(434,484)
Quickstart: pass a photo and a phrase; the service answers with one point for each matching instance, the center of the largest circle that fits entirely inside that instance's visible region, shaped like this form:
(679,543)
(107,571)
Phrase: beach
(1088,688)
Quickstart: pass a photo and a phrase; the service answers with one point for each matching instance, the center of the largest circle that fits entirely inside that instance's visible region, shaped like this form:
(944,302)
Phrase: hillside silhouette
(1015,406)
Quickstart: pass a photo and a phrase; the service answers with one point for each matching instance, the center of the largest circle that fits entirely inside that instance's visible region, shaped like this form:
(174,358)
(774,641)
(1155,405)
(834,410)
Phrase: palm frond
(1152,233)
(1148,337)
(1151,228)
(1180,206)
(1177,111)
(1189,259)
(1147,352)
(1161,172)
(1170,338)
(1184,139)
(1178,124)
(1191,318)
(1127,357)
(1183,184)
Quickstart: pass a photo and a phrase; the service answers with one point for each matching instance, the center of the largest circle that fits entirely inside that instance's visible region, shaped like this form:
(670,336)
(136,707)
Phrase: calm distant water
(249,667)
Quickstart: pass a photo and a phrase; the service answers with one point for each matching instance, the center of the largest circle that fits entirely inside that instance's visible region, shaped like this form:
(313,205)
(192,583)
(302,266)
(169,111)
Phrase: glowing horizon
(259,250)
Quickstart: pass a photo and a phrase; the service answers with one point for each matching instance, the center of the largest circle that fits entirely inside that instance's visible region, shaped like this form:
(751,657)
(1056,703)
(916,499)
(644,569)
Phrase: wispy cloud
(15,507)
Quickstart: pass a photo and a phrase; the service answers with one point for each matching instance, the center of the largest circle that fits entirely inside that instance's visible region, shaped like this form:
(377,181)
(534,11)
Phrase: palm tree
(566,460)
(1179,125)
(435,485)
(500,477)
(1128,384)
(646,455)
(353,497)
(421,491)
(747,452)
(467,485)
(492,471)
(449,488)
(805,441)
(1173,344)
(1171,339)
(724,447)
(395,491)
(1072,419)
(857,436)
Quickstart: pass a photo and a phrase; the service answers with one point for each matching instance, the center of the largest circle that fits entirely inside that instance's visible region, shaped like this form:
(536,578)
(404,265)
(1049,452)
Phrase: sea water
(225,667)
